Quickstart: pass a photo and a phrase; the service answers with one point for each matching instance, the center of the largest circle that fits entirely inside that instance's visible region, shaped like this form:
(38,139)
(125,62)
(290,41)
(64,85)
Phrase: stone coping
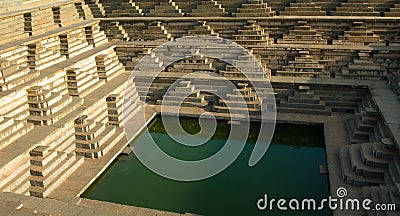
(276,18)
(26,7)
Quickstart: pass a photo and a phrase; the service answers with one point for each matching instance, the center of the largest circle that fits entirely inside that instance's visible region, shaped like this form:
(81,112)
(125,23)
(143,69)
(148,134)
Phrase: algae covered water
(289,169)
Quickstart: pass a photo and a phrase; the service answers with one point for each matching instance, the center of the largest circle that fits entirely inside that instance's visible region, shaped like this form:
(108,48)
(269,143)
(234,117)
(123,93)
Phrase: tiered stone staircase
(153,31)
(279,5)
(166,9)
(121,8)
(187,6)
(96,8)
(48,169)
(363,67)
(210,8)
(189,65)
(254,8)
(304,66)
(108,65)
(355,8)
(147,5)
(303,101)
(253,35)
(203,28)
(227,29)
(83,11)
(233,104)
(359,35)
(115,31)
(302,34)
(74,43)
(94,139)
(303,8)
(186,92)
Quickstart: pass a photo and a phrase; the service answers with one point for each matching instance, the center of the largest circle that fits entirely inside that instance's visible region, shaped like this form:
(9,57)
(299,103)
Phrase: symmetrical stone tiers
(253,35)
(359,35)
(250,67)
(154,31)
(303,101)
(49,168)
(303,8)
(192,64)
(192,97)
(363,67)
(94,139)
(166,9)
(304,66)
(254,8)
(120,8)
(210,8)
(203,29)
(242,98)
(302,34)
(227,29)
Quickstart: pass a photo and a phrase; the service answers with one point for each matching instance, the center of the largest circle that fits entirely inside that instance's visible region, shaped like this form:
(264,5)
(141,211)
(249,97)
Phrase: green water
(289,169)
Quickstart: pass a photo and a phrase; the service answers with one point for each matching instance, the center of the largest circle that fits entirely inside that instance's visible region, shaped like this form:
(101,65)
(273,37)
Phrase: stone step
(370,159)
(38,191)
(44,181)
(358,164)
(55,159)
(18,177)
(349,176)
(114,135)
(304,111)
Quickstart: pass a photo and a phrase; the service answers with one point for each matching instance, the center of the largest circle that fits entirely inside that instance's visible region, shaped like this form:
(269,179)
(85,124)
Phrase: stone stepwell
(64,69)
